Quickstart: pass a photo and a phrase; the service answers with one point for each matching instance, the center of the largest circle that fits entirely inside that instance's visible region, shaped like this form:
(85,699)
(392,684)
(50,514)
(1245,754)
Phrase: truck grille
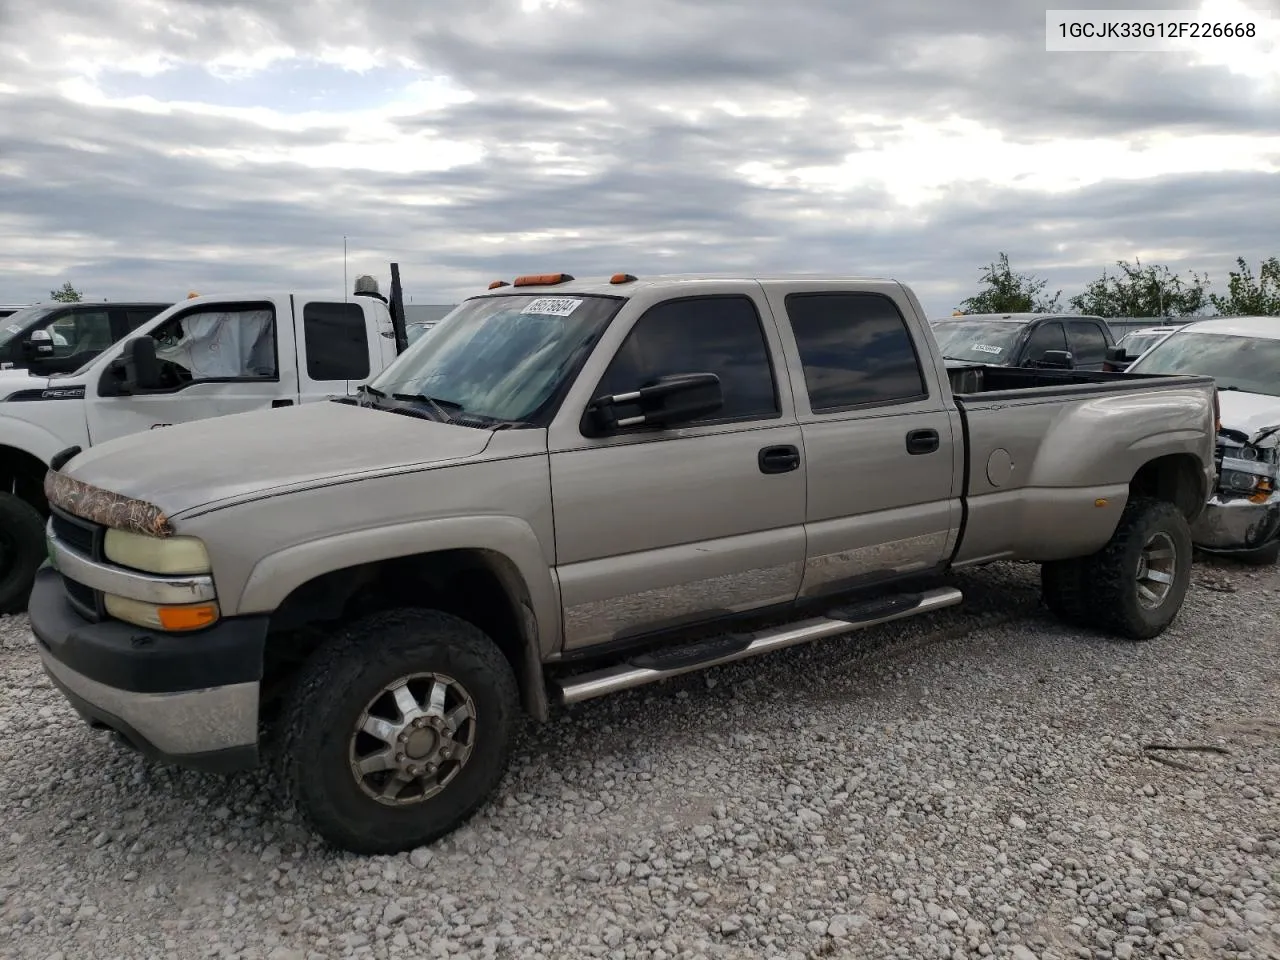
(84,537)
(80,535)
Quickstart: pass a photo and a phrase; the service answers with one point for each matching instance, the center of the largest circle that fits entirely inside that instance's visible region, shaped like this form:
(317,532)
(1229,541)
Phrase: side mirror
(1057,360)
(1117,355)
(665,402)
(38,344)
(139,365)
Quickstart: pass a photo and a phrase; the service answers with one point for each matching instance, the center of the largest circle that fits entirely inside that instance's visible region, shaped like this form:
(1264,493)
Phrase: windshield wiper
(364,390)
(436,403)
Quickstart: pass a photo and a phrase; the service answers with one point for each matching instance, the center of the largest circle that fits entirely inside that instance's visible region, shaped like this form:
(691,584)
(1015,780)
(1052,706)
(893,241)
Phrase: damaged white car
(1243,355)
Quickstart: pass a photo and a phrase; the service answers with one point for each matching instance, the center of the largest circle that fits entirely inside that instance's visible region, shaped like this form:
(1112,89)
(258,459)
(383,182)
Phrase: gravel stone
(980,783)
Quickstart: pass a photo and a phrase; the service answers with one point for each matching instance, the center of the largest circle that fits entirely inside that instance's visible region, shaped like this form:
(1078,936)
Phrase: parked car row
(575,487)
(205,357)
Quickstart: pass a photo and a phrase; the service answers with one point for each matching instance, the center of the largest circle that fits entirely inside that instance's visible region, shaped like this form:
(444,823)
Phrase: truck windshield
(1135,344)
(499,357)
(978,341)
(1247,364)
(18,321)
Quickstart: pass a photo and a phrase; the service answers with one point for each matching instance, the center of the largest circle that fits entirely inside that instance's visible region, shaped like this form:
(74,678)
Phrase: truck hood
(1249,413)
(196,464)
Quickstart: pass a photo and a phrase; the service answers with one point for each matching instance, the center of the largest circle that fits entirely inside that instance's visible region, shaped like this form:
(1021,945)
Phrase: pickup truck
(61,337)
(574,487)
(204,357)
(1044,340)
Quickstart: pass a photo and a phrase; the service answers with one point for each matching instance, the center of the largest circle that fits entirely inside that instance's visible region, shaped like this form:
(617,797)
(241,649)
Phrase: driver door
(216,359)
(658,527)
(1049,335)
(71,340)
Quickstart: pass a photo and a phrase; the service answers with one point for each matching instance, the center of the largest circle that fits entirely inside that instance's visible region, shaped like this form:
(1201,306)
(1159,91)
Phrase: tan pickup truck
(575,487)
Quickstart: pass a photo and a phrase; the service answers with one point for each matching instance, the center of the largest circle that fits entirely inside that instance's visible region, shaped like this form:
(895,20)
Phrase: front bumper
(1236,524)
(190,700)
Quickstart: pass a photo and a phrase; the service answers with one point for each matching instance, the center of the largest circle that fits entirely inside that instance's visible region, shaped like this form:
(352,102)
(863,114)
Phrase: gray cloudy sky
(150,147)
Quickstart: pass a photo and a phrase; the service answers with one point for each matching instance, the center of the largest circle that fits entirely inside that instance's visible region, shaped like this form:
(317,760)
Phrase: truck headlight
(162,555)
(1257,489)
(1237,481)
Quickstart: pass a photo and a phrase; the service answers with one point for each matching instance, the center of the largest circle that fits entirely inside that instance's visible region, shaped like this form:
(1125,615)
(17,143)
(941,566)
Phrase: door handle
(782,459)
(922,441)
(282,403)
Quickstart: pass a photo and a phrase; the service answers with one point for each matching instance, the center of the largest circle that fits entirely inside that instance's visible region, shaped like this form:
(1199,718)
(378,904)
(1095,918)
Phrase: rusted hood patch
(102,506)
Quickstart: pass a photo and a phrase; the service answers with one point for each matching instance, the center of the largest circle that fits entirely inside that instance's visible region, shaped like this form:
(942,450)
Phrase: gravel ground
(978,783)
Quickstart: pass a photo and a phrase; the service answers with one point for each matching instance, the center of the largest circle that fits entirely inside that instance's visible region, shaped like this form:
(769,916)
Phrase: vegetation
(66,294)
(1132,290)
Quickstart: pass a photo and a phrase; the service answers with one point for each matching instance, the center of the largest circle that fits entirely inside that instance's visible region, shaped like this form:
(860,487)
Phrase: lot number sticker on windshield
(984,348)
(553,306)
(13,328)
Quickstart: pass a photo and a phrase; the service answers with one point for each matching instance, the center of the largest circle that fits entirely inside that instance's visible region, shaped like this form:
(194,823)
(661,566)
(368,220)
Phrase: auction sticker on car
(553,306)
(985,348)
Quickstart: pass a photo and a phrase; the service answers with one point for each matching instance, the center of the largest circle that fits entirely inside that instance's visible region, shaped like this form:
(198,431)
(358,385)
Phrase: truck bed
(1049,455)
(971,380)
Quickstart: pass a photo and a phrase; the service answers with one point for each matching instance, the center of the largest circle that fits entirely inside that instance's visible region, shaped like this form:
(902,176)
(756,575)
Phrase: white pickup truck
(204,357)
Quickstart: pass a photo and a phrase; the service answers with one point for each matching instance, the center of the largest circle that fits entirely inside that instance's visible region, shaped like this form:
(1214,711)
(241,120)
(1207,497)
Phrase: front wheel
(1140,578)
(22,550)
(398,730)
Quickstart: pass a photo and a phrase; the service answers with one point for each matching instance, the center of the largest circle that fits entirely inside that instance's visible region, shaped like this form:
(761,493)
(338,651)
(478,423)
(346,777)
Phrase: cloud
(149,147)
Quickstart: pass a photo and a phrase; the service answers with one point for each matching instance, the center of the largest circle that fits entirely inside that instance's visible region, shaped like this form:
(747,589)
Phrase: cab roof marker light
(622,278)
(498,283)
(542,279)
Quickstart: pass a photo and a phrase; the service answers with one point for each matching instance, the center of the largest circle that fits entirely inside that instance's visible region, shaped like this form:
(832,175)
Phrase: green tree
(1249,297)
(1142,291)
(1009,292)
(65,294)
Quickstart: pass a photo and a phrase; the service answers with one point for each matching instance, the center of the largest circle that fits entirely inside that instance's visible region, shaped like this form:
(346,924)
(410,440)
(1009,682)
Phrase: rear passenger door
(879,438)
(655,527)
(1087,343)
(334,346)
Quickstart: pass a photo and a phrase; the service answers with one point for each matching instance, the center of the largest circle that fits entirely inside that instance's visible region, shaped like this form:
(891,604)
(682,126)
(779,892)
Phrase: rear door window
(1087,343)
(854,350)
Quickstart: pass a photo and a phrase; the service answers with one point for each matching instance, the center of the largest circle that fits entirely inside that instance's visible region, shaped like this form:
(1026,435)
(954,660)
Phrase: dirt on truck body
(575,487)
